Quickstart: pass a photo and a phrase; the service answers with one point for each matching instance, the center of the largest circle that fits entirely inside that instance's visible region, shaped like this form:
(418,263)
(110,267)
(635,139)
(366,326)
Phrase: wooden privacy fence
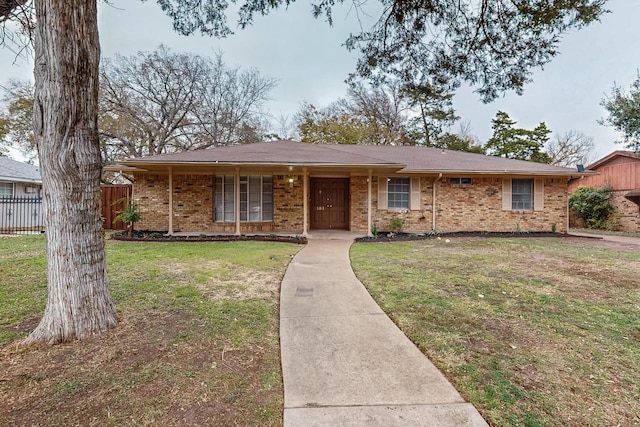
(114,199)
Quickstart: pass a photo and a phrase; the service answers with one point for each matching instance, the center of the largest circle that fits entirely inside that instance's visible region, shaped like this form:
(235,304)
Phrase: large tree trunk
(67,54)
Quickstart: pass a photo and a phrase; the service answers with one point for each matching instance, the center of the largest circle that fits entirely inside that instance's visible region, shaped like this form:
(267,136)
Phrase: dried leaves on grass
(182,355)
(532,331)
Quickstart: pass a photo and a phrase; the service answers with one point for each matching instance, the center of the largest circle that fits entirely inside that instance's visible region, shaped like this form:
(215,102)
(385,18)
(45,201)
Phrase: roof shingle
(410,159)
(14,171)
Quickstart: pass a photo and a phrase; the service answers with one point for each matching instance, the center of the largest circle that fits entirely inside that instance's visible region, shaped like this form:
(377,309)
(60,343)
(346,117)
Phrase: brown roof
(406,159)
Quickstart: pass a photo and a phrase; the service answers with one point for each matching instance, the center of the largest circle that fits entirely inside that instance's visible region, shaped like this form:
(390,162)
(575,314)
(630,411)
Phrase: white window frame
(7,185)
(536,195)
(405,195)
(413,194)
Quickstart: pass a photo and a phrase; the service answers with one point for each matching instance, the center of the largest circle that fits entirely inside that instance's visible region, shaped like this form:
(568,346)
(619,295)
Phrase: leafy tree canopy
(459,142)
(374,116)
(433,103)
(323,126)
(16,130)
(516,143)
(624,113)
(492,44)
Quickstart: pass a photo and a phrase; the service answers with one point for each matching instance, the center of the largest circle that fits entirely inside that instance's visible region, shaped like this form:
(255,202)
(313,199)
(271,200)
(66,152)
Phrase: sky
(308,59)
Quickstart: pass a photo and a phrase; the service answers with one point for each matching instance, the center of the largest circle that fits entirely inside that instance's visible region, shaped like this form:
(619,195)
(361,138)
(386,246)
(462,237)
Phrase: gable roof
(404,159)
(618,153)
(14,171)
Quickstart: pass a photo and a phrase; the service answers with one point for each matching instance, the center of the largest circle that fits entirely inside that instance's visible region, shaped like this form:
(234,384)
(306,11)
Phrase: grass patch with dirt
(533,332)
(197,342)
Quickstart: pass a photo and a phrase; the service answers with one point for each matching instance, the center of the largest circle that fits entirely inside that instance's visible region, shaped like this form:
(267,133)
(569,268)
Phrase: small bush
(593,206)
(397,224)
(129,215)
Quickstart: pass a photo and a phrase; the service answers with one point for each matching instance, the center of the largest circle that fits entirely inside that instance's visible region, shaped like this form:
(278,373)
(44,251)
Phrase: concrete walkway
(344,362)
(608,237)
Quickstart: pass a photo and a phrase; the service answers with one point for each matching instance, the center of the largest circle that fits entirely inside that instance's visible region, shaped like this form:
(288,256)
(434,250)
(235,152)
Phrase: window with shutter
(398,193)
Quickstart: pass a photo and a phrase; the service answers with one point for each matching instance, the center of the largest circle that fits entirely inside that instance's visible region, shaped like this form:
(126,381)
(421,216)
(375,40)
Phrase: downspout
(170,201)
(433,201)
(369,234)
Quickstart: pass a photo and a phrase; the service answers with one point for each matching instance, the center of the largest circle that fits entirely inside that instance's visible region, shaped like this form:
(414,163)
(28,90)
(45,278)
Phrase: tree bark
(67,54)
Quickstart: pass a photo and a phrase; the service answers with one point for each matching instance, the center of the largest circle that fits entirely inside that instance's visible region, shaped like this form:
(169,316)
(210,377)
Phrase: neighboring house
(286,186)
(19,179)
(620,170)
(20,197)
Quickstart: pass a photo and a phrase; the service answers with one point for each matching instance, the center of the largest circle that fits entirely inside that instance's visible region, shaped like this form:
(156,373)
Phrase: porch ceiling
(633,196)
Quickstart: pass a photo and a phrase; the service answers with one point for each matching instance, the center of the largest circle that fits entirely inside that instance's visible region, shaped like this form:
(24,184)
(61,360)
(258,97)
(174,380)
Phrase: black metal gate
(21,215)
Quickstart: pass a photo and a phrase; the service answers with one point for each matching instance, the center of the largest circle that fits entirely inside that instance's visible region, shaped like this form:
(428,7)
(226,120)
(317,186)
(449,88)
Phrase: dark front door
(329,203)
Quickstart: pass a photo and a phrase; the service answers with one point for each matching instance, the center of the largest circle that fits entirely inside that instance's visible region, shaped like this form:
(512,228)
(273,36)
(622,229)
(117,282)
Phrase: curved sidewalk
(344,362)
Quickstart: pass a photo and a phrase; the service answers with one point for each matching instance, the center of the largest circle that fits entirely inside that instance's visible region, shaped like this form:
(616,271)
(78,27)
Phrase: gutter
(21,180)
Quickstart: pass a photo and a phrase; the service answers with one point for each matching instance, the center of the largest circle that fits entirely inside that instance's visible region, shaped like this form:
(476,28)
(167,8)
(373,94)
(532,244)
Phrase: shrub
(397,224)
(593,206)
(129,215)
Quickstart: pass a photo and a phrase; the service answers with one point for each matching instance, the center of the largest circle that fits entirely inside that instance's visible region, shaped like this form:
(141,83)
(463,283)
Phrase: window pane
(267,198)
(255,198)
(521,194)
(460,181)
(244,197)
(398,193)
(6,189)
(219,199)
(229,198)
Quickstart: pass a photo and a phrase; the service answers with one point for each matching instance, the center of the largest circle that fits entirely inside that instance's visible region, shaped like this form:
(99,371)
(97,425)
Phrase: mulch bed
(158,236)
(383,237)
(403,237)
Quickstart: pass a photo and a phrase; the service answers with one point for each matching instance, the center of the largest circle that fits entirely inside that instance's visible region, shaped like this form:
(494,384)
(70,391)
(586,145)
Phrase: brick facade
(627,215)
(475,207)
(151,193)
(288,204)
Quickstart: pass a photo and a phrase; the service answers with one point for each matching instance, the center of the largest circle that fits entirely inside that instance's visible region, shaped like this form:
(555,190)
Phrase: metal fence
(21,215)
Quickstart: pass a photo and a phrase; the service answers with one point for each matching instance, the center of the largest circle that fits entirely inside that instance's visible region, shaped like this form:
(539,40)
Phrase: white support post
(237,189)
(305,204)
(369,185)
(170,201)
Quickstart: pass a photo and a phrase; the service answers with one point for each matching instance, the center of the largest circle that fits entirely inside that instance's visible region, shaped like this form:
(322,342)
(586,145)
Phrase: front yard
(197,342)
(532,331)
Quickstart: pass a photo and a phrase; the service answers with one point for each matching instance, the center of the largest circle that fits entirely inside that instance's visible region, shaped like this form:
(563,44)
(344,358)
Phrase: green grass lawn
(532,331)
(197,342)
